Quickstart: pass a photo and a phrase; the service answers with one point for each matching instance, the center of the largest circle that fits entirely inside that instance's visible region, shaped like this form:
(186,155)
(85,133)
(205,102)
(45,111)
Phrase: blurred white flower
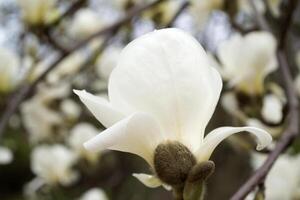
(108,61)
(85,23)
(94,194)
(39,120)
(70,108)
(163,91)
(80,134)
(9,69)
(53,164)
(283,181)
(272,109)
(6,156)
(247,60)
(297,84)
(202,9)
(37,12)
(231,105)
(69,66)
(275,131)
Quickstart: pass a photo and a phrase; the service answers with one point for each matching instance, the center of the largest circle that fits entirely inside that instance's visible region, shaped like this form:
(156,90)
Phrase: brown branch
(261,21)
(292,130)
(20,95)
(182,7)
(70,11)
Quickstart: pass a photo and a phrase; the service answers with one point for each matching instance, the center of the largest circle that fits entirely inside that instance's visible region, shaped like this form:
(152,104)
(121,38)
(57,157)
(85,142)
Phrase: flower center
(173,162)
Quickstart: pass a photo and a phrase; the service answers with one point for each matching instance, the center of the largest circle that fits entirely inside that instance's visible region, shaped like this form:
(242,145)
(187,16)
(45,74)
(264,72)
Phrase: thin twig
(261,21)
(182,7)
(70,11)
(27,89)
(292,129)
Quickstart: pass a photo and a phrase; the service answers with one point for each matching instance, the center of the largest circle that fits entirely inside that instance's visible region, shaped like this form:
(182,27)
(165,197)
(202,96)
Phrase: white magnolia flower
(283,181)
(54,164)
(85,23)
(39,120)
(247,60)
(36,12)
(272,109)
(231,105)
(297,84)
(70,108)
(6,156)
(108,61)
(79,134)
(94,194)
(69,66)
(9,68)
(163,91)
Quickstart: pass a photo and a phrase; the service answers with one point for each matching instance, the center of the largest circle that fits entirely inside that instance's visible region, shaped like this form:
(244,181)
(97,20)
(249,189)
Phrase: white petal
(214,138)
(272,109)
(6,156)
(167,73)
(100,108)
(148,180)
(138,134)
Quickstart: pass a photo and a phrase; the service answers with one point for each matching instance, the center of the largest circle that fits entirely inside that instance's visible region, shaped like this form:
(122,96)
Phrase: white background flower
(248,59)
(6,156)
(163,89)
(37,12)
(8,69)
(80,134)
(94,194)
(53,164)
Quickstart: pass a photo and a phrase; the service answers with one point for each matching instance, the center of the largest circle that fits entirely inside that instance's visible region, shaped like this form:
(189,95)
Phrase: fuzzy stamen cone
(173,162)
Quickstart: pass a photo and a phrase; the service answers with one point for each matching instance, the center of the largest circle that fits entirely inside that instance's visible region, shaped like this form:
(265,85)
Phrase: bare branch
(292,129)
(183,6)
(261,21)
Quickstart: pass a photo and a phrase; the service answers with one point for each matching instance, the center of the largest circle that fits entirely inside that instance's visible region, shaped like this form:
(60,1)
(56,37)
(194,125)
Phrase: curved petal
(100,108)
(167,73)
(214,138)
(148,180)
(138,134)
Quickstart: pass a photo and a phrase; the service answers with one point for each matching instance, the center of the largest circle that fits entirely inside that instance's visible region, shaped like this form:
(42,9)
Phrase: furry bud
(173,162)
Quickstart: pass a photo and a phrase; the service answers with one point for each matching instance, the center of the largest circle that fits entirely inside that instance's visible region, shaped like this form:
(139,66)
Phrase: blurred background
(49,47)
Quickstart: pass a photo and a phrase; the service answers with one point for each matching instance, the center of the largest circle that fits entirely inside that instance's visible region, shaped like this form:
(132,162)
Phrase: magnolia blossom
(6,156)
(94,194)
(108,61)
(162,93)
(247,60)
(297,84)
(272,109)
(85,23)
(36,12)
(70,108)
(79,134)
(283,181)
(39,120)
(53,164)
(8,70)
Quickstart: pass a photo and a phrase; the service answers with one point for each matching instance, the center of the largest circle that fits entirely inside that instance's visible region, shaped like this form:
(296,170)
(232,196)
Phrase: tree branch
(261,21)
(292,129)
(182,7)
(20,95)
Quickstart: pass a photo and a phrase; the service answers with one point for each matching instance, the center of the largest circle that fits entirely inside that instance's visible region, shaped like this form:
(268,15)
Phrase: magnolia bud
(173,162)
